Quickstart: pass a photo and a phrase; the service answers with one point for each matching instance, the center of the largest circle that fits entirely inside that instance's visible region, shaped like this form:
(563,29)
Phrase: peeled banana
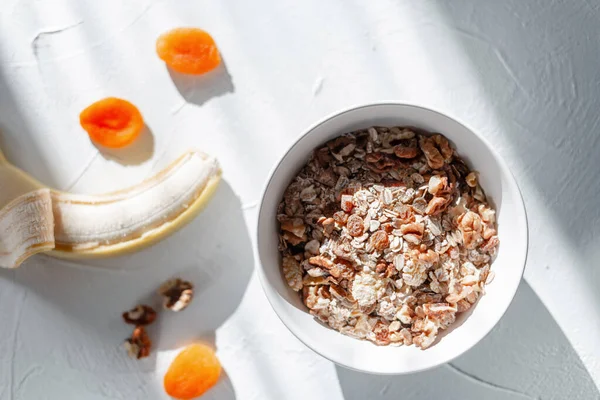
(36,219)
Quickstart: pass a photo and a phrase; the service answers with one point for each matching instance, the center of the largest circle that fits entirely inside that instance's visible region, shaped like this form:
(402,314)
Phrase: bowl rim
(503,166)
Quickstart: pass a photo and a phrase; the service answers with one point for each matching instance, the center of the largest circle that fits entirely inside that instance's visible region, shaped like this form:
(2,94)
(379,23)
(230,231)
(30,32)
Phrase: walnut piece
(437,205)
(177,294)
(321,261)
(432,154)
(139,344)
(406,151)
(444,147)
(355,225)
(140,315)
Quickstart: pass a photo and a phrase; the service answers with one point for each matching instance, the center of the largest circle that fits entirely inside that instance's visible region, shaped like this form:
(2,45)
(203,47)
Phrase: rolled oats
(387,235)
(292,273)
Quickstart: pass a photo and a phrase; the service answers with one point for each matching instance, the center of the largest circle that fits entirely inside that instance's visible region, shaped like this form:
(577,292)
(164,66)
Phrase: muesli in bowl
(387,235)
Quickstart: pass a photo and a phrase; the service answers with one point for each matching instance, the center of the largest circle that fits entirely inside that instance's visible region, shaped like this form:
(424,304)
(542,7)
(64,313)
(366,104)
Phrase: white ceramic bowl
(499,185)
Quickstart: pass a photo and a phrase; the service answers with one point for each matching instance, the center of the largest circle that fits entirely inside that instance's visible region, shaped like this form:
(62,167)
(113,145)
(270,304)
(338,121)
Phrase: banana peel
(34,218)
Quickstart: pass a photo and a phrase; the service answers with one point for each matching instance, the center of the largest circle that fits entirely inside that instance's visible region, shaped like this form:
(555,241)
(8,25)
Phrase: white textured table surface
(524,73)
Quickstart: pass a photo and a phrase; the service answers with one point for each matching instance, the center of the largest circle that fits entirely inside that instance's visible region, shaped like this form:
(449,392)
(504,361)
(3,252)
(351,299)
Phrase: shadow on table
(198,89)
(533,64)
(213,252)
(524,355)
(79,304)
(17,140)
(136,153)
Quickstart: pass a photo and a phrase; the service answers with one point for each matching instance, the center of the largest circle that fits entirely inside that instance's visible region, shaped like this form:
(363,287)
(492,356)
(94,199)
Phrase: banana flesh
(35,219)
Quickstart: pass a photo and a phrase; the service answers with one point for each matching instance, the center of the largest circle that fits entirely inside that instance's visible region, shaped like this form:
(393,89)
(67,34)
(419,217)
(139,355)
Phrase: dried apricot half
(188,50)
(112,122)
(195,370)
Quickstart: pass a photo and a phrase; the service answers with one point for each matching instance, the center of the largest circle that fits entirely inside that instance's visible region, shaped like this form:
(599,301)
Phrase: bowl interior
(501,189)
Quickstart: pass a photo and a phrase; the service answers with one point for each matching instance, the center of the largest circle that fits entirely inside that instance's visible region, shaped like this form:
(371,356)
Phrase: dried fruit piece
(355,225)
(112,122)
(346,203)
(139,344)
(177,294)
(188,50)
(380,240)
(194,371)
(140,315)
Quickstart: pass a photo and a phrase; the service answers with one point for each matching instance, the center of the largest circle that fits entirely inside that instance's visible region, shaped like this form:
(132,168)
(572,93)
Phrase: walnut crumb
(139,344)
(177,294)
